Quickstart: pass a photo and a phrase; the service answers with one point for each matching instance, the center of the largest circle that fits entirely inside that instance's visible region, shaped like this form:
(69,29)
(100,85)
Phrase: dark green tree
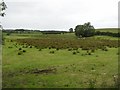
(2,8)
(71,30)
(2,13)
(85,30)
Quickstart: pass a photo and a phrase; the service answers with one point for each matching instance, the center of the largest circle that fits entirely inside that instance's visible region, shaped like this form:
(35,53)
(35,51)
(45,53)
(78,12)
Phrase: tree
(2,8)
(71,30)
(85,30)
(2,13)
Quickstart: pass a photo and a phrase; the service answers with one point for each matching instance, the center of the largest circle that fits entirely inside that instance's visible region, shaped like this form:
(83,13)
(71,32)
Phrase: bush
(57,48)
(104,49)
(10,47)
(82,54)
(70,49)
(52,52)
(118,53)
(92,68)
(40,49)
(92,50)
(30,46)
(20,48)
(49,47)
(89,53)
(85,48)
(96,55)
(24,50)
(24,46)
(8,34)
(74,53)
(19,53)
(77,51)
(75,48)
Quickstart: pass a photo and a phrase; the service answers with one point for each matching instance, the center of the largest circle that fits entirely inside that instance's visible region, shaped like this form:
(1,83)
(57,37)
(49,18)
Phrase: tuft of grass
(57,49)
(20,48)
(93,50)
(49,47)
(10,47)
(70,49)
(52,52)
(24,50)
(40,49)
(89,53)
(92,83)
(30,46)
(19,53)
(77,51)
(74,53)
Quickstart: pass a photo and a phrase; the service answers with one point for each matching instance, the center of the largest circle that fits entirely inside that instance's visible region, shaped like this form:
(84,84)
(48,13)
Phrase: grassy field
(35,68)
(113,30)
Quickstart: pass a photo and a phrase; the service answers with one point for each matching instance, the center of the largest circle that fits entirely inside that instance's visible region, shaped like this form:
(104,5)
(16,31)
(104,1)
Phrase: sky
(60,14)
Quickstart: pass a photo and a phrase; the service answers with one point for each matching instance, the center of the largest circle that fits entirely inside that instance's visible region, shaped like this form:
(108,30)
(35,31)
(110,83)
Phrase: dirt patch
(42,71)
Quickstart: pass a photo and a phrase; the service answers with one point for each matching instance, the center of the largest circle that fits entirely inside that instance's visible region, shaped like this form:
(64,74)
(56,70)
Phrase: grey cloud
(60,14)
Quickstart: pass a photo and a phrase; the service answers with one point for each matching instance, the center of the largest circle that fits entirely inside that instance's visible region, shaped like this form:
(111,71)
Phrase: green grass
(106,37)
(72,71)
(40,35)
(113,30)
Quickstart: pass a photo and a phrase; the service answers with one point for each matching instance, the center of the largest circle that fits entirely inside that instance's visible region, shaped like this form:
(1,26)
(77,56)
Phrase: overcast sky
(60,14)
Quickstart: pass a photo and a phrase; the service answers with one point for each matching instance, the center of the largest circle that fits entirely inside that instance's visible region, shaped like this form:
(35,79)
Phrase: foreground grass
(69,70)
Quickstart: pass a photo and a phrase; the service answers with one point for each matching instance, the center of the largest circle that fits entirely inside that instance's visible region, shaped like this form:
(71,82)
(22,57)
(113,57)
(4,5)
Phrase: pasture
(59,61)
(113,30)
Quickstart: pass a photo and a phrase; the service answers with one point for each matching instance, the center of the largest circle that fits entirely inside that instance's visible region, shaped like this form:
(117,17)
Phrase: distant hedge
(53,32)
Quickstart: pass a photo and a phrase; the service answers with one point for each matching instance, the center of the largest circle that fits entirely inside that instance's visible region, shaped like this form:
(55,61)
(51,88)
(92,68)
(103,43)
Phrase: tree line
(87,30)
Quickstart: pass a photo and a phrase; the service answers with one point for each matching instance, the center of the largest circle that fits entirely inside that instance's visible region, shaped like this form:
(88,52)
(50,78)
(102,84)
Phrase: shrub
(24,50)
(92,83)
(70,49)
(30,46)
(19,53)
(82,54)
(49,47)
(74,53)
(24,46)
(92,68)
(75,48)
(57,48)
(93,50)
(89,53)
(20,48)
(8,34)
(105,49)
(10,47)
(40,49)
(96,55)
(85,48)
(77,51)
(52,52)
